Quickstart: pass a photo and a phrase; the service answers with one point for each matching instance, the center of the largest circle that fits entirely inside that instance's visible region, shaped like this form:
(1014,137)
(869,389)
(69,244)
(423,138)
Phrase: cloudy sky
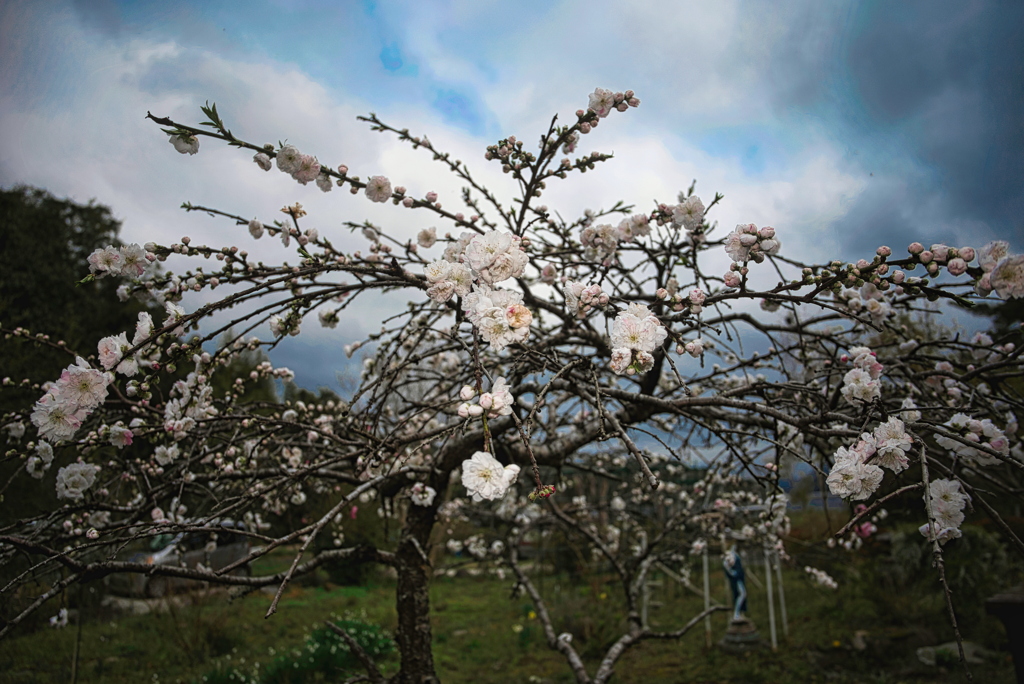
(844,125)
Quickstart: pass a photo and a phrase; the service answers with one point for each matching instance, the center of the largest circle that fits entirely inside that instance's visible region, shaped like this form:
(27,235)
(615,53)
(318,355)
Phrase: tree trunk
(413,599)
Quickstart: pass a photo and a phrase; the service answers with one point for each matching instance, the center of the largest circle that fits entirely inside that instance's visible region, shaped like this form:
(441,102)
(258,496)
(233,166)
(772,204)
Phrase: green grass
(477,636)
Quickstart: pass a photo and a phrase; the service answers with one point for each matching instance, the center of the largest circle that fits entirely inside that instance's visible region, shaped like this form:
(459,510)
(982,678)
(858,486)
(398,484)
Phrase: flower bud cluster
(982,432)
(497,402)
(746,242)
(693,301)
(581,299)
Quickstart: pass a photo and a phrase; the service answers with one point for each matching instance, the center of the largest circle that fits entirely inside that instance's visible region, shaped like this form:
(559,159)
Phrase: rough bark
(413,599)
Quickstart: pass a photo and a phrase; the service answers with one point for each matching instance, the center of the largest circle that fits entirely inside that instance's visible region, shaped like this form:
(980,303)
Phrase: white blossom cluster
(498,315)
(302,167)
(129,260)
(868,299)
(982,432)
(1002,271)
(689,215)
(862,384)
(821,578)
(853,476)
(947,503)
(69,401)
(600,242)
(635,334)
(74,479)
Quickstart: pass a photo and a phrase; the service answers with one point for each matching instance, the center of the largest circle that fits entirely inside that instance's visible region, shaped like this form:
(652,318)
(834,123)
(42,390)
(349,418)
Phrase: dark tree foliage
(44,246)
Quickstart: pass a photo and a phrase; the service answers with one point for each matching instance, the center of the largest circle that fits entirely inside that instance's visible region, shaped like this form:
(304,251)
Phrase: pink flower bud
(476,411)
(464,410)
(746,239)
(408,202)
(431,197)
(926,257)
(767,233)
(882,269)
(967,254)
(898,277)
(467,393)
(883,251)
(915,248)
(486,400)
(732,279)
(862,263)
(661,293)
(342,169)
(940,252)
(956,266)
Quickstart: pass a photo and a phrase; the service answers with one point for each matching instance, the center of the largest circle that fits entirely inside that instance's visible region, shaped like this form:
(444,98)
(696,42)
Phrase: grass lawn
(482,634)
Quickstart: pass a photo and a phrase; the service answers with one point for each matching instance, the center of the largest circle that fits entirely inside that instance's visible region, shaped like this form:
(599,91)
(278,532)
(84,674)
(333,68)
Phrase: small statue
(733,567)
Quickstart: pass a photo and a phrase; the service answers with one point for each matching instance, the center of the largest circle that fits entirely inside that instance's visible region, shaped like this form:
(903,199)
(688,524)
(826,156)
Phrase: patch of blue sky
(759,149)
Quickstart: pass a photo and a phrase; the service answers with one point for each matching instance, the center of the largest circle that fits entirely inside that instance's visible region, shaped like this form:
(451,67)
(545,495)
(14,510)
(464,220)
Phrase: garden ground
(482,634)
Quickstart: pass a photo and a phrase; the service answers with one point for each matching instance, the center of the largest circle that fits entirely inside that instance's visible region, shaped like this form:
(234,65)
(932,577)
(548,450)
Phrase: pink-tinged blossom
(288,159)
(185,143)
(56,418)
(485,478)
(82,387)
(1007,278)
(891,445)
(106,261)
(689,213)
(165,455)
(695,348)
(307,169)
(956,267)
(74,479)
(378,189)
(992,253)
(120,436)
(427,237)
(599,242)
(496,257)
(422,494)
(858,385)
(850,478)
(637,328)
(255,229)
(133,260)
(111,350)
(621,360)
(602,101)
(570,143)
(323,181)
(497,402)
(262,160)
(731,279)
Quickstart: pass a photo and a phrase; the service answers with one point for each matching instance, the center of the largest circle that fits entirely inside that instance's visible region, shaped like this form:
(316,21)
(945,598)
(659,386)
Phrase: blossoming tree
(528,341)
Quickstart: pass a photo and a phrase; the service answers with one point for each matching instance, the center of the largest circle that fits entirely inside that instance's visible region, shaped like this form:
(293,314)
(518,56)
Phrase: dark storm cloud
(944,82)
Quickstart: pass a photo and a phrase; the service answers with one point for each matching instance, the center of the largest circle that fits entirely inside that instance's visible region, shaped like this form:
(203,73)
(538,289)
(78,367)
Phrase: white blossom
(485,478)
